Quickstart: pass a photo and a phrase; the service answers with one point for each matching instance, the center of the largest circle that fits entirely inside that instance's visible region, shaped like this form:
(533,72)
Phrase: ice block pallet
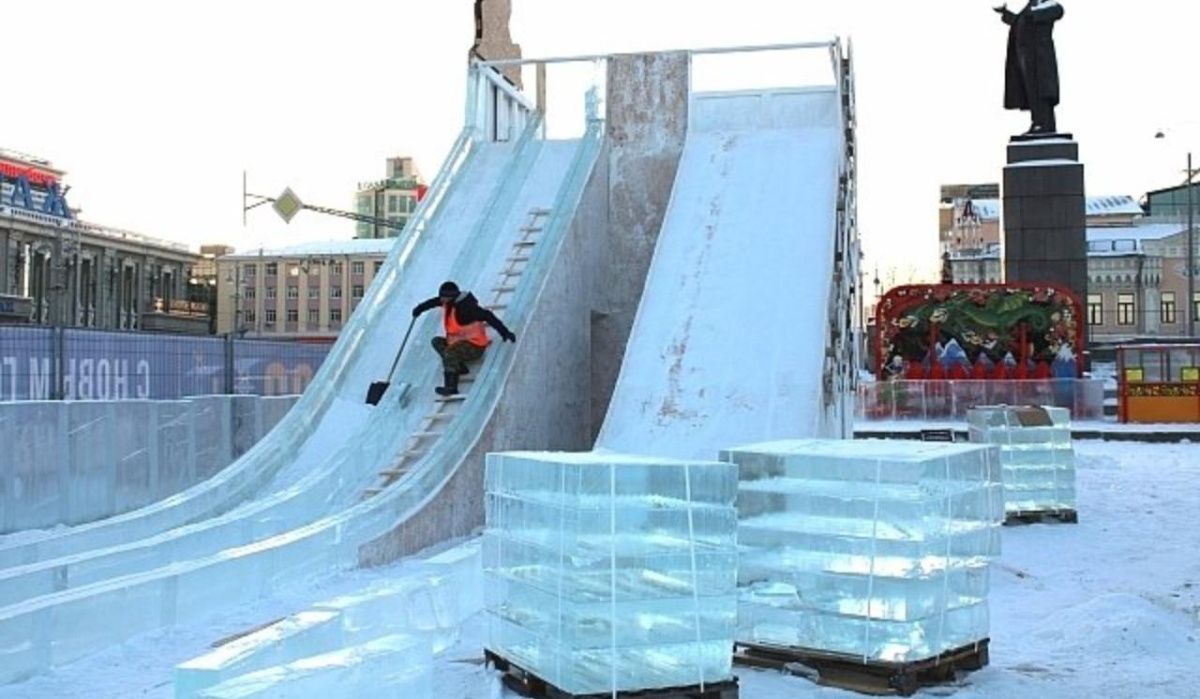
(1067,516)
(868,677)
(528,684)
(1037,460)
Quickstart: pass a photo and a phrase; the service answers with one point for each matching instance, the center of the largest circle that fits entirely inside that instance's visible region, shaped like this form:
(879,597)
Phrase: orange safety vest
(474,333)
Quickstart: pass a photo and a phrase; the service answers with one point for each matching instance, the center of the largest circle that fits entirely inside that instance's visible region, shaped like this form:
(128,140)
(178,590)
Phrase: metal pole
(1191,253)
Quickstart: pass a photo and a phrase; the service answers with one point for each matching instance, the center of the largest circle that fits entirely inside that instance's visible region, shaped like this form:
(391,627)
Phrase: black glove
(1001,9)
(416,311)
(508,336)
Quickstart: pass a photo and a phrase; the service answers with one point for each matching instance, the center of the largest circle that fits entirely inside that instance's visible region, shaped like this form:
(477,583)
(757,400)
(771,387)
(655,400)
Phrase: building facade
(56,269)
(391,200)
(1137,265)
(304,291)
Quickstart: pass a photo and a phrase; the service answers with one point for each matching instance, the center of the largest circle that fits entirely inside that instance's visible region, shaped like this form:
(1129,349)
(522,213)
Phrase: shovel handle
(399,352)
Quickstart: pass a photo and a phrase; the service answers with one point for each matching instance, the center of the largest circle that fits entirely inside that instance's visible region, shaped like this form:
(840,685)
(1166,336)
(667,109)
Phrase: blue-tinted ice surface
(870,548)
(1038,460)
(609,572)
(396,666)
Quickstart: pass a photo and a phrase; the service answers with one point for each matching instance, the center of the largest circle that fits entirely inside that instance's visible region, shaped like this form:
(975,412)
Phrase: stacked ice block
(608,572)
(874,549)
(1036,456)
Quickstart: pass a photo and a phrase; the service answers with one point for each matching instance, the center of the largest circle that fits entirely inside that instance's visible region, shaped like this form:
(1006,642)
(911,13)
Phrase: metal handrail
(504,62)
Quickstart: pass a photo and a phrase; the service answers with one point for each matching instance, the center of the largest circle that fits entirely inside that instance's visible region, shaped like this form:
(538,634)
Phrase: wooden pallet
(1041,517)
(867,677)
(527,684)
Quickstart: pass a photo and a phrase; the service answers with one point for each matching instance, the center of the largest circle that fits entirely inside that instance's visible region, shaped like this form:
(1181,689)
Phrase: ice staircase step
(397,666)
(298,636)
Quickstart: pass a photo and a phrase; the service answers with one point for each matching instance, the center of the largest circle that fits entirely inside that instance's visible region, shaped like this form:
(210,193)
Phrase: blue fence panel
(269,368)
(26,372)
(108,365)
(103,365)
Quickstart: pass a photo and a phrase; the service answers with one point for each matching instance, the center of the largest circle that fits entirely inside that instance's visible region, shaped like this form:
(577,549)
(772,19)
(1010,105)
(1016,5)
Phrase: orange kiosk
(1159,383)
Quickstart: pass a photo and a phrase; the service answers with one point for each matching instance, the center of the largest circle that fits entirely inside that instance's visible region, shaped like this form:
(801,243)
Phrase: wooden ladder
(435,423)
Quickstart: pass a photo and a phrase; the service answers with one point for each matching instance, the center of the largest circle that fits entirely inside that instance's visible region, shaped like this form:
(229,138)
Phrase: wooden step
(524,243)
(518,258)
(497,306)
(393,472)
(450,399)
(424,435)
(504,289)
(371,492)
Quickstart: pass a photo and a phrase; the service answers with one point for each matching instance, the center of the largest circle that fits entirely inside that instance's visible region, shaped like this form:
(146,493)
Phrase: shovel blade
(375,391)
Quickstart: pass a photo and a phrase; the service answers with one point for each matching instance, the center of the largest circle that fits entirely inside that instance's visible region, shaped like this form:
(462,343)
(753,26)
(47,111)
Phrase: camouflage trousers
(455,356)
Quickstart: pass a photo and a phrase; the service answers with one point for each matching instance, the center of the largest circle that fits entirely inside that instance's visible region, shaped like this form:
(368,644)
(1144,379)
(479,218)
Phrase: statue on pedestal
(1031,67)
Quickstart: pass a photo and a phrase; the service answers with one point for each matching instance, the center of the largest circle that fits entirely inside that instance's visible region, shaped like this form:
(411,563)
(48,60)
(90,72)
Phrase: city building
(305,291)
(392,200)
(56,269)
(1137,264)
(1172,202)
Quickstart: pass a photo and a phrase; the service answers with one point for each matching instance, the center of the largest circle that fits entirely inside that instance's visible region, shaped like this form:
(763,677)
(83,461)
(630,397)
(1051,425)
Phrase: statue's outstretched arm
(1006,15)
(1047,12)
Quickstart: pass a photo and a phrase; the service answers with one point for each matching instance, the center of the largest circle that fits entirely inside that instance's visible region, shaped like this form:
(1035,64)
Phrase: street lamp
(1191,242)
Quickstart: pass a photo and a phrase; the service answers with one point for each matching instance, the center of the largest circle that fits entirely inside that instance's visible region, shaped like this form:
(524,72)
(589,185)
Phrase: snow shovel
(378,388)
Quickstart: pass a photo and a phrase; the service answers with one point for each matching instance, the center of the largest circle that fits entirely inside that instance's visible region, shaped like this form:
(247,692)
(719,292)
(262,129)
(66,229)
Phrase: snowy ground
(1109,607)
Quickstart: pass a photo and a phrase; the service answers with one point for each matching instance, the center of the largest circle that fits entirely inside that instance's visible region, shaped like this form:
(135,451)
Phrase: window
(269,316)
(357,291)
(378,266)
(293,292)
(1095,309)
(314,292)
(250,316)
(335,269)
(272,269)
(410,204)
(270,293)
(1196,304)
(393,203)
(314,316)
(1166,307)
(335,292)
(250,270)
(1125,309)
(293,315)
(356,268)
(251,293)
(335,315)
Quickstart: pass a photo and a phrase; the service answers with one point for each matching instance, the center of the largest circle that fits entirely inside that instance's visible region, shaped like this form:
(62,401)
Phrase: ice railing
(951,400)
(256,468)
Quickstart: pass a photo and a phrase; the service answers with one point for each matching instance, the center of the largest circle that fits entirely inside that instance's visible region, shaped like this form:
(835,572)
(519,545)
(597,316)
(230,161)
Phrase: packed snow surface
(1109,607)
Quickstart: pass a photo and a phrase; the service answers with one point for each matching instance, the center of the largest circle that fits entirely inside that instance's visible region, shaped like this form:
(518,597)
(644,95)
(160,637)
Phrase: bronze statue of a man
(1031,68)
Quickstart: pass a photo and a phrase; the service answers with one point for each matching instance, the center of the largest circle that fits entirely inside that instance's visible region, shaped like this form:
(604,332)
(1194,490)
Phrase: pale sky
(154,108)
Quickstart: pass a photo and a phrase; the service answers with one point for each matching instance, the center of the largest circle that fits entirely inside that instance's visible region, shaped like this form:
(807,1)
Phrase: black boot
(451,386)
(463,369)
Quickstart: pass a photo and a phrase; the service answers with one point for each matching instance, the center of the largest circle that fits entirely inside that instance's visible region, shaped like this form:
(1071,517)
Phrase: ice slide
(732,340)
(310,495)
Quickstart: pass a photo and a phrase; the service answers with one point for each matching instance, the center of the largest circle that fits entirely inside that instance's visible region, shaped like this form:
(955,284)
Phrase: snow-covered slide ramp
(730,341)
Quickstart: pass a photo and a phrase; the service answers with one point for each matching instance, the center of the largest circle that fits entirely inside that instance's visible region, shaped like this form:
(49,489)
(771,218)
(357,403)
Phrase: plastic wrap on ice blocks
(596,558)
(869,548)
(1036,454)
(393,666)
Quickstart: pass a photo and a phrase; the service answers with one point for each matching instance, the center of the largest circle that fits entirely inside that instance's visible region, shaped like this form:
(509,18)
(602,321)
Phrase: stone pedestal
(1045,228)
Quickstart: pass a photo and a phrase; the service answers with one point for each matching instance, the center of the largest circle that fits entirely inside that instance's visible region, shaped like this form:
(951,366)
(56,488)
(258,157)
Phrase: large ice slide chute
(335,475)
(745,328)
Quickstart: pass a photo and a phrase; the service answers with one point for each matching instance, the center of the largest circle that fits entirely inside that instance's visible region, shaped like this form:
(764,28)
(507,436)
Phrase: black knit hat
(448,289)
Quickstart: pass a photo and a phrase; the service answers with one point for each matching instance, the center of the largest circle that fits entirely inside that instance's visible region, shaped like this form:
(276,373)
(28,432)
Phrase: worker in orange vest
(466,337)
